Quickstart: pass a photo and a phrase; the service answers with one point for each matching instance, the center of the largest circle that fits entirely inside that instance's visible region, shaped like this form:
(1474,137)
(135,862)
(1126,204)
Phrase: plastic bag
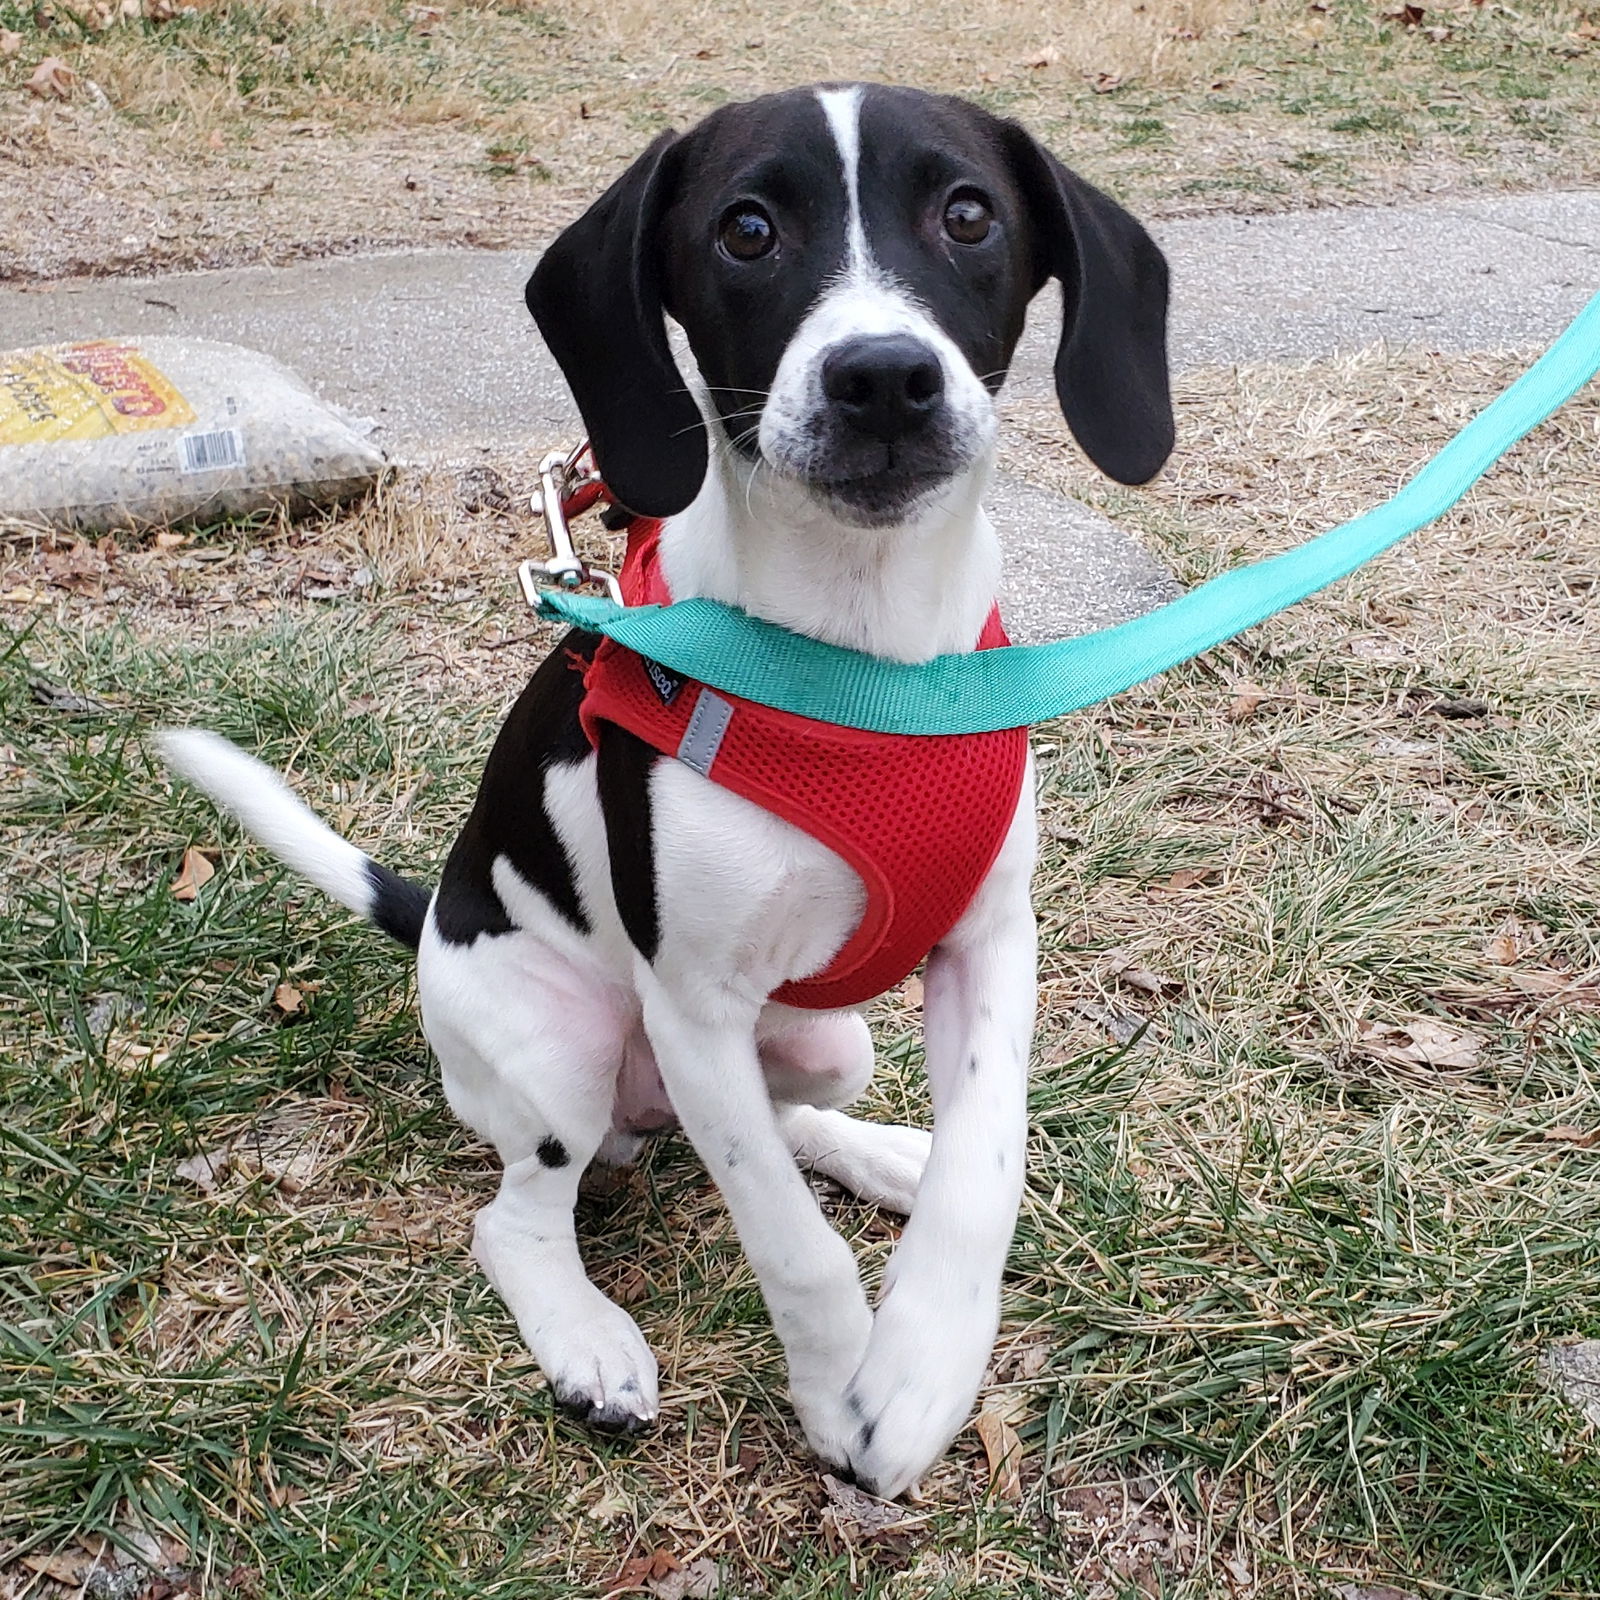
(110,433)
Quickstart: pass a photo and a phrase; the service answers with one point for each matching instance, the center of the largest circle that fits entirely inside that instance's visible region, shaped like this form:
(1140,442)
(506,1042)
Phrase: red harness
(921,817)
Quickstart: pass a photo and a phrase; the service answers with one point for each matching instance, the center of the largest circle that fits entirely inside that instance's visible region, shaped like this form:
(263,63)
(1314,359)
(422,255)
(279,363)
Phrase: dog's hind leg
(530,1055)
(877,1162)
(816,1063)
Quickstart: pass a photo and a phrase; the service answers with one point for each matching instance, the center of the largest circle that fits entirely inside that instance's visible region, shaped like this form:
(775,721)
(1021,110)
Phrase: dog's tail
(269,809)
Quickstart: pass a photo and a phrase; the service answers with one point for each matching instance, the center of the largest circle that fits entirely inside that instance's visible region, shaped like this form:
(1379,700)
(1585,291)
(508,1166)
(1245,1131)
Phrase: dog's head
(852,267)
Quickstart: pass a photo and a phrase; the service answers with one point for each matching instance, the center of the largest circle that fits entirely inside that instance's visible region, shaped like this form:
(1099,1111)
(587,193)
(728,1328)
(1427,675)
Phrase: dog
(619,940)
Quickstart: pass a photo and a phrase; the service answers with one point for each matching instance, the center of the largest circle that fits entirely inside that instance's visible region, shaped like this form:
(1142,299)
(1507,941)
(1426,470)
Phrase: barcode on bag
(204,452)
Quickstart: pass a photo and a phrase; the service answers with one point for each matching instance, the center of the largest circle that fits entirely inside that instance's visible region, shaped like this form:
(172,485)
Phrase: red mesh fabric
(920,817)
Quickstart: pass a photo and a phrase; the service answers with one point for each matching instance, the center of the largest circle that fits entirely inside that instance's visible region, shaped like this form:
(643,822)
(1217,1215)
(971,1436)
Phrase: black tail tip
(399,906)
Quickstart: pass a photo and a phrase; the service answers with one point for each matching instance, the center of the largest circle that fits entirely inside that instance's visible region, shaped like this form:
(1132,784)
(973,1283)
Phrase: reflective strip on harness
(703,737)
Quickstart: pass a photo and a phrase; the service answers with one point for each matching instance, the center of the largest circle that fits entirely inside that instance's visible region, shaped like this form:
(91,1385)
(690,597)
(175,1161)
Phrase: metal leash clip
(568,486)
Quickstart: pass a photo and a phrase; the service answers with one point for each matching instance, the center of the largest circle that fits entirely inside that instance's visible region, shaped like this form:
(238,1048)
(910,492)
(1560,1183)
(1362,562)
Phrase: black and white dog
(852,266)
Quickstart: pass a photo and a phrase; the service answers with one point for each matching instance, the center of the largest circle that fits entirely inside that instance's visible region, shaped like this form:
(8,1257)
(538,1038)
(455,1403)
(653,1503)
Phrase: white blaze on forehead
(842,108)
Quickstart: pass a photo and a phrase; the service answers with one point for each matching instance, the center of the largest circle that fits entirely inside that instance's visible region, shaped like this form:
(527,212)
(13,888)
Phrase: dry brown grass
(289,127)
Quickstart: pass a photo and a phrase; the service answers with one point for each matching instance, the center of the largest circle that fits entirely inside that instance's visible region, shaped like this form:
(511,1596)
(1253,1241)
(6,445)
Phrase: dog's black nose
(887,385)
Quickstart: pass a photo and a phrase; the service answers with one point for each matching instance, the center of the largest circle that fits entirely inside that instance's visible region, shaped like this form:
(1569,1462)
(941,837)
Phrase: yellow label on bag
(84,391)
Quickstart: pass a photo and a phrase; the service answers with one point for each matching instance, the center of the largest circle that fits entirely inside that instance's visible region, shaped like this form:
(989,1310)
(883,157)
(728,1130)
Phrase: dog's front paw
(912,1395)
(601,1371)
(819,1370)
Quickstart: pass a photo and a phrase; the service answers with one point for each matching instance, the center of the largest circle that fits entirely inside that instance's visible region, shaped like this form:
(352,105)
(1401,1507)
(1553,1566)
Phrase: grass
(247,129)
(1280,1285)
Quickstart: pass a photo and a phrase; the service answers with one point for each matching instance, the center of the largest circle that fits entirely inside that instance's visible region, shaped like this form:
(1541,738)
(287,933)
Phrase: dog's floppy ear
(596,296)
(1111,366)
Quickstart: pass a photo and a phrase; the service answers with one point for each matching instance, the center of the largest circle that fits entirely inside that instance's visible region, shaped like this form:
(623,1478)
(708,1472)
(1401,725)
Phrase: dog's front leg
(940,1307)
(705,1047)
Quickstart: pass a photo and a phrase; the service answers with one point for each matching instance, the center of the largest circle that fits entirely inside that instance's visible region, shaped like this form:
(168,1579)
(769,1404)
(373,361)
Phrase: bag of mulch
(115,433)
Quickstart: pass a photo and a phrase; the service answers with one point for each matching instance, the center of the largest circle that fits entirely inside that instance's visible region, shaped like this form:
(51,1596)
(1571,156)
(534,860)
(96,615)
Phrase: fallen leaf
(633,1288)
(912,991)
(1121,966)
(859,1517)
(1407,16)
(10,43)
(1104,82)
(1190,878)
(700,1580)
(1119,1026)
(1565,1133)
(1041,59)
(638,1572)
(206,1170)
(1002,1447)
(197,869)
(1434,1045)
(1246,700)
(1423,1042)
(53,79)
(1372,1591)
(288,999)
(168,540)
(128,1055)
(613,1503)
(1506,945)
(65,1566)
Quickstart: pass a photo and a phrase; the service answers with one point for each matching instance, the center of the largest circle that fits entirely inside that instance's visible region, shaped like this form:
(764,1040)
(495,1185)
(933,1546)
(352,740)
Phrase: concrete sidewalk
(438,349)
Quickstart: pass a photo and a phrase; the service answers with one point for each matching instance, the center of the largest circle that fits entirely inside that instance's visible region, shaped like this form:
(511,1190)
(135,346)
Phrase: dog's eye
(746,233)
(968,217)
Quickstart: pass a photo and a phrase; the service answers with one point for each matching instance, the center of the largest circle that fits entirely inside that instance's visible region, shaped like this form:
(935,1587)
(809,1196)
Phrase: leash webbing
(1024,684)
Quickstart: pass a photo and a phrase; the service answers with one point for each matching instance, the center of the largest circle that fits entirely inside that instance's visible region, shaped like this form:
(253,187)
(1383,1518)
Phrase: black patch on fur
(399,907)
(552,1152)
(649,245)
(509,817)
(623,773)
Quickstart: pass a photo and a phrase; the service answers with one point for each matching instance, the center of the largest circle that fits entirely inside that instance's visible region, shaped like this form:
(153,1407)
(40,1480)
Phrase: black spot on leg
(1000,1160)
(865,1437)
(552,1152)
(972,1066)
(732,1156)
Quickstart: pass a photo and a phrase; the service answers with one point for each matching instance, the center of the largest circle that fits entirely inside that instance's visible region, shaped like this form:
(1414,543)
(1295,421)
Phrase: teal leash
(1023,684)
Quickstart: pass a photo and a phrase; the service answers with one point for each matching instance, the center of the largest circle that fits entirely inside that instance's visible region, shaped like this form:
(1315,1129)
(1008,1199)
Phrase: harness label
(667,685)
(702,739)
